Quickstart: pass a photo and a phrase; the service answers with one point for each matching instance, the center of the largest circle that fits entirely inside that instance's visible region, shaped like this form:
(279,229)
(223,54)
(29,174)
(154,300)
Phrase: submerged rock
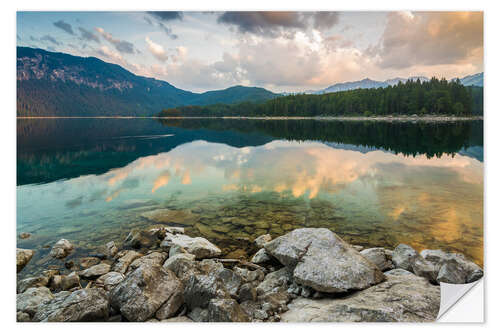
(80,305)
(144,291)
(198,246)
(24,235)
(170,216)
(405,298)
(61,249)
(323,261)
(140,239)
(23,256)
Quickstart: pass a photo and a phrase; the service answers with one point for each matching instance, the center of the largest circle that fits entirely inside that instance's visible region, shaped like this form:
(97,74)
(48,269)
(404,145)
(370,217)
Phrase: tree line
(433,97)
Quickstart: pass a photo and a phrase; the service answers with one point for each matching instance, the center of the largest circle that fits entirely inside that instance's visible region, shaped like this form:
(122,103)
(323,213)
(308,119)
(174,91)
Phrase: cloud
(157,50)
(159,24)
(273,24)
(88,35)
(430,38)
(167,15)
(120,45)
(64,26)
(51,39)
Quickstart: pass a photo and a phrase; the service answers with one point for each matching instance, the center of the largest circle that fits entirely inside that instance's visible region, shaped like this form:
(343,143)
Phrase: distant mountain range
(476,79)
(59,84)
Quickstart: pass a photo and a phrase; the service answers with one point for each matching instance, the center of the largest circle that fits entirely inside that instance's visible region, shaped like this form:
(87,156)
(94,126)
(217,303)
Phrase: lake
(373,183)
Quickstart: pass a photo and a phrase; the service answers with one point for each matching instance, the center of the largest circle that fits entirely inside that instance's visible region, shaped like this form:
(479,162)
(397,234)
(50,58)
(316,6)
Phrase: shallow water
(91,180)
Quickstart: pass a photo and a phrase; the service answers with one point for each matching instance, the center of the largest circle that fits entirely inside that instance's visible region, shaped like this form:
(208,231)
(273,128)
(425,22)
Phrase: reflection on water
(231,194)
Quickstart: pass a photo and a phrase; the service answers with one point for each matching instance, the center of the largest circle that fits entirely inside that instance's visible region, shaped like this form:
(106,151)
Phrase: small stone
(261,257)
(263,239)
(95,271)
(70,281)
(24,235)
(61,249)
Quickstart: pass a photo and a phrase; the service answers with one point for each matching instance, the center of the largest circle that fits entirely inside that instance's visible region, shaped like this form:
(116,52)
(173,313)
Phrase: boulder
(61,249)
(154,258)
(95,271)
(472,271)
(70,281)
(424,268)
(323,261)
(144,291)
(226,310)
(200,289)
(275,281)
(247,292)
(80,305)
(109,280)
(125,258)
(378,256)
(32,282)
(403,257)
(198,246)
(171,305)
(23,256)
(401,298)
(111,250)
(29,300)
(452,271)
(89,261)
(183,265)
(263,239)
(198,315)
(261,257)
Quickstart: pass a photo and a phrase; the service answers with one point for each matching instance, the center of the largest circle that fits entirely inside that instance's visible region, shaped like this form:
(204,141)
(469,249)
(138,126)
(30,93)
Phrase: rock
(398,272)
(260,257)
(154,258)
(226,310)
(69,264)
(323,261)
(140,239)
(125,258)
(248,275)
(198,315)
(24,235)
(247,293)
(176,250)
(424,268)
(32,282)
(180,319)
(89,261)
(23,256)
(168,216)
(405,298)
(275,303)
(61,249)
(80,305)
(358,248)
(95,271)
(275,281)
(200,289)
(29,300)
(263,239)
(111,249)
(377,255)
(109,280)
(171,305)
(70,281)
(22,317)
(472,271)
(198,246)
(452,272)
(56,282)
(183,265)
(143,292)
(404,256)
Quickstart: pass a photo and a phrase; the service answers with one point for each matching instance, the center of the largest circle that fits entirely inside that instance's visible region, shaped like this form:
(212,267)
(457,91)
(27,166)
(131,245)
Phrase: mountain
(476,79)
(59,84)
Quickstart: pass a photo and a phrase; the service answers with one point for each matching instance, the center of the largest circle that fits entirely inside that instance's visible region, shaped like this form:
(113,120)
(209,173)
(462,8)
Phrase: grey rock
(472,271)
(424,268)
(22,317)
(183,265)
(260,257)
(263,239)
(140,239)
(198,315)
(200,289)
(171,305)
(250,275)
(323,261)
(176,250)
(247,292)
(154,258)
(70,281)
(32,282)
(144,291)
(61,249)
(378,256)
(109,280)
(125,258)
(452,272)
(398,272)
(95,271)
(230,280)
(89,261)
(198,246)
(29,300)
(275,281)
(402,298)
(111,249)
(403,257)
(80,305)
(358,248)
(226,310)
(23,256)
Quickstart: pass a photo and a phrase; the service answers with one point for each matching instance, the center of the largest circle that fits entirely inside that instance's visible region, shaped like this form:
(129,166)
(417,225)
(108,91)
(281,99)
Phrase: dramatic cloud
(120,45)
(430,38)
(277,23)
(64,26)
(51,39)
(162,26)
(156,50)
(167,16)
(88,35)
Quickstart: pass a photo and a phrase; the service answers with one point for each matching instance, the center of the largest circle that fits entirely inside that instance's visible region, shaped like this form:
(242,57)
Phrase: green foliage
(434,97)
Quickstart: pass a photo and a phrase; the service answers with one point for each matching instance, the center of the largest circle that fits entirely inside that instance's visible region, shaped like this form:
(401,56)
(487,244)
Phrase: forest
(433,97)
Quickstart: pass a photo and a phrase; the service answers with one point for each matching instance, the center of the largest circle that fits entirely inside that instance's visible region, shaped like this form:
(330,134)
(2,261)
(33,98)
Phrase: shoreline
(400,118)
(308,274)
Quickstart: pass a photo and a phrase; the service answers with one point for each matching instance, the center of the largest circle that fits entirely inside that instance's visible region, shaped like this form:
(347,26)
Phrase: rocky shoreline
(308,274)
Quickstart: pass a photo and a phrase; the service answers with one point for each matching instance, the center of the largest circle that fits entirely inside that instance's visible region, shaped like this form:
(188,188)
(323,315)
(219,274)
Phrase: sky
(280,51)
